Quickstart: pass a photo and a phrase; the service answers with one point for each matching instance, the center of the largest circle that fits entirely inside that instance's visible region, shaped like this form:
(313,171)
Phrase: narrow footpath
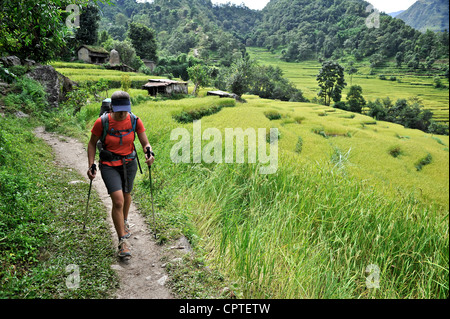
(141,277)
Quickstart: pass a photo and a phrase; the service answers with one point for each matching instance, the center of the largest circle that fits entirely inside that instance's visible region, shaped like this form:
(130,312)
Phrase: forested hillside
(213,33)
(298,29)
(427,14)
(304,29)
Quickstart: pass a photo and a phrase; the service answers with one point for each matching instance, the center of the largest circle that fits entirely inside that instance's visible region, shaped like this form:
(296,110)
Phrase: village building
(165,87)
(92,54)
(149,64)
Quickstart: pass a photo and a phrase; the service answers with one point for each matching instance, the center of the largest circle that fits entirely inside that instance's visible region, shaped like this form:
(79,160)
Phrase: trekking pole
(93,169)
(149,154)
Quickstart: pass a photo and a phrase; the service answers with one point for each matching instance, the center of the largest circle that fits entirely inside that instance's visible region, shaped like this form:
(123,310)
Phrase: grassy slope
(311,229)
(290,224)
(42,215)
(303,75)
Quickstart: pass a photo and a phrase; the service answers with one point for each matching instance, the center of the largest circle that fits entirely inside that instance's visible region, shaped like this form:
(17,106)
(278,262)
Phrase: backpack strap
(106,130)
(134,120)
(105,124)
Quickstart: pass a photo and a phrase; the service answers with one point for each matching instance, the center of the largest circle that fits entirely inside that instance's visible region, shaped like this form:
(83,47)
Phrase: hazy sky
(387,6)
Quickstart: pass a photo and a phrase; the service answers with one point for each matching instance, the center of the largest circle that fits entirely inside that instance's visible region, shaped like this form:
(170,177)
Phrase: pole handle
(93,169)
(149,154)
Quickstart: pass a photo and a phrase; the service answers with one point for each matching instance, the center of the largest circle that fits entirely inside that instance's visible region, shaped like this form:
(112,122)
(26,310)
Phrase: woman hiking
(118,166)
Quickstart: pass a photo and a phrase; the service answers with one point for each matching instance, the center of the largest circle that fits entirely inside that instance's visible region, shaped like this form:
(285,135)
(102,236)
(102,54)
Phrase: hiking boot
(124,248)
(127,229)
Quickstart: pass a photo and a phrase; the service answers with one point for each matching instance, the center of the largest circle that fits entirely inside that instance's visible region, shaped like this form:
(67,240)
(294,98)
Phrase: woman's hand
(92,172)
(149,160)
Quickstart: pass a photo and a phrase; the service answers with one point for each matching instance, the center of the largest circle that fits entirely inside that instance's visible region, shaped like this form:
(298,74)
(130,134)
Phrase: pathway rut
(141,277)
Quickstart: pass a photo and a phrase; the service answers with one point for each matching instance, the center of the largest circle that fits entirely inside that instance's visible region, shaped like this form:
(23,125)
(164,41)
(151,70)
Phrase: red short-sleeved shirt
(113,143)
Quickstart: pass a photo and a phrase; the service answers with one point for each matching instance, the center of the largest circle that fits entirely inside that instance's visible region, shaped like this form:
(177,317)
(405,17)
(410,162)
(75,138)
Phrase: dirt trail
(141,277)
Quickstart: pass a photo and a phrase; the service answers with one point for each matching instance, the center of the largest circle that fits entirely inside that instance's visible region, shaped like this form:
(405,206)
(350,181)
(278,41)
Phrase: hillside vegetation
(292,234)
(427,15)
(339,202)
(356,208)
(399,83)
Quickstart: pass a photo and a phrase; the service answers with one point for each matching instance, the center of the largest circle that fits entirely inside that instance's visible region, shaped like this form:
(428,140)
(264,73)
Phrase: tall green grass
(42,211)
(312,232)
(313,229)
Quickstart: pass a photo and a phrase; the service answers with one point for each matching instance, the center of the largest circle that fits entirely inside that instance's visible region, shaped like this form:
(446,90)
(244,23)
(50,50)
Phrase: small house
(149,64)
(92,54)
(165,87)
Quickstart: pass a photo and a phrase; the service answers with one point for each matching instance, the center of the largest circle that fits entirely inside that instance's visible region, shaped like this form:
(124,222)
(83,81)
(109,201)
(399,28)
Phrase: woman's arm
(92,149)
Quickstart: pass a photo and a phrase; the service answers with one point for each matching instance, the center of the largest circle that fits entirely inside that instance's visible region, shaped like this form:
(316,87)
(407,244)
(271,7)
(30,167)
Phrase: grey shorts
(114,177)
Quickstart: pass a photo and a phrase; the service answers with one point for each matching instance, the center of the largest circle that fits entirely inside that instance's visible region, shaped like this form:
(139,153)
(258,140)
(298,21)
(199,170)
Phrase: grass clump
(423,162)
(272,115)
(395,151)
(299,119)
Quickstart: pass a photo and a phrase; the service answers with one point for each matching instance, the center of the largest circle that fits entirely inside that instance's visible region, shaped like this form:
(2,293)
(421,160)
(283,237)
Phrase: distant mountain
(427,14)
(394,14)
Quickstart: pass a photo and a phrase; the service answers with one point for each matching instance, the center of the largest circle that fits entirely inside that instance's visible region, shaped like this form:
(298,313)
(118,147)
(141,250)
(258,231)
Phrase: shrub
(355,100)
(320,131)
(28,96)
(395,151)
(341,105)
(437,128)
(196,114)
(270,135)
(438,83)
(410,114)
(423,162)
(19,70)
(125,82)
(272,115)
(6,75)
(299,119)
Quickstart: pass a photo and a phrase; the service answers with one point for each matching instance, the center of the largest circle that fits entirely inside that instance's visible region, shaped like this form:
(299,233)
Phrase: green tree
(199,75)
(87,33)
(117,32)
(399,58)
(126,51)
(331,81)
(351,69)
(103,37)
(355,100)
(35,29)
(144,41)
(121,19)
(240,76)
